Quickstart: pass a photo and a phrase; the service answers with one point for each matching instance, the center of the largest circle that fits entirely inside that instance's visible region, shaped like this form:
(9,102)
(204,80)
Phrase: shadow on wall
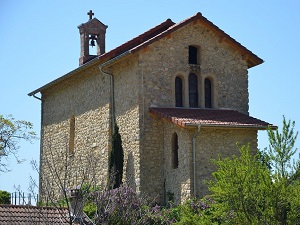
(130,172)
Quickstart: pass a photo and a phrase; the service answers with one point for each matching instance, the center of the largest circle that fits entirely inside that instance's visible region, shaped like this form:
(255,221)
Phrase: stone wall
(159,64)
(142,80)
(178,181)
(86,98)
(152,158)
(168,58)
(126,91)
(210,143)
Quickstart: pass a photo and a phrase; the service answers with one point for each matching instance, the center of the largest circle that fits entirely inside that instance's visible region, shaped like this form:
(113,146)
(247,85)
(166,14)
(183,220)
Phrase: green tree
(285,168)
(4,197)
(244,184)
(116,160)
(262,188)
(282,149)
(11,132)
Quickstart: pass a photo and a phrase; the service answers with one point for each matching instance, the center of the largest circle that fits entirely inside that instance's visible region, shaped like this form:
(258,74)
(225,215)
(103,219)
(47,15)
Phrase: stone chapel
(178,93)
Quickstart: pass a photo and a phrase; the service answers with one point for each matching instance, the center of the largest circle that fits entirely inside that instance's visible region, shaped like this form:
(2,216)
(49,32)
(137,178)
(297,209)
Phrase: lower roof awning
(219,118)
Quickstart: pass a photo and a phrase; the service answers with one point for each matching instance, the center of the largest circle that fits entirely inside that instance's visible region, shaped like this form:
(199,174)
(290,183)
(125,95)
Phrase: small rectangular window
(193,55)
(72,135)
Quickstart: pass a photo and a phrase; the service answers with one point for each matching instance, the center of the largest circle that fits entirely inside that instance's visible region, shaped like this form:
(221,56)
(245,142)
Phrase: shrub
(4,197)
(204,211)
(124,207)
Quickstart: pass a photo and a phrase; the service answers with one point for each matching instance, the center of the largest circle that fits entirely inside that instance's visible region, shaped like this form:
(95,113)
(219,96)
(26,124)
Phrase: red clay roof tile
(155,34)
(29,215)
(25,215)
(187,117)
(144,37)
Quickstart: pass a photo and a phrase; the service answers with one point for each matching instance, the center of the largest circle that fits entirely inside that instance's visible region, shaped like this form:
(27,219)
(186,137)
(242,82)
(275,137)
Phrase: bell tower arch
(92,33)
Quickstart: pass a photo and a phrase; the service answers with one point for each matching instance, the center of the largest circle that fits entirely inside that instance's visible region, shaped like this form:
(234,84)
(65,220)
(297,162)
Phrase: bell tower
(92,33)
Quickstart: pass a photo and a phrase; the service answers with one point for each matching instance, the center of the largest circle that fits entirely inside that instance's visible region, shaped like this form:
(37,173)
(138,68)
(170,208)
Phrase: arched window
(178,92)
(208,93)
(174,156)
(193,90)
(193,55)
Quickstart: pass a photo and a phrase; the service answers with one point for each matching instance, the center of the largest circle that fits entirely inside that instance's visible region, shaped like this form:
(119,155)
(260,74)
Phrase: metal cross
(90,14)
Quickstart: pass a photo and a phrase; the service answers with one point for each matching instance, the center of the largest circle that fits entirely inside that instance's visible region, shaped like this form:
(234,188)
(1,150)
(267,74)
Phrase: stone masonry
(146,78)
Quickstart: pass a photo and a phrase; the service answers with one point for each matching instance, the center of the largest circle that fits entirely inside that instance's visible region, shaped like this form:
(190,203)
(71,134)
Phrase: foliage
(90,209)
(285,170)
(11,132)
(4,197)
(261,188)
(204,211)
(244,184)
(282,149)
(61,175)
(116,160)
(123,206)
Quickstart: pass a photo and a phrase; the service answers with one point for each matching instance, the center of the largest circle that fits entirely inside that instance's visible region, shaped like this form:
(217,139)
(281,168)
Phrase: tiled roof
(142,38)
(30,215)
(154,34)
(113,53)
(187,117)
(250,57)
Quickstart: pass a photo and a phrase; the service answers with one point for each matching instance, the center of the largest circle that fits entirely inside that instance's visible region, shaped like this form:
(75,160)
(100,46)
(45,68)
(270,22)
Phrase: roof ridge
(143,37)
(30,206)
(252,59)
(156,33)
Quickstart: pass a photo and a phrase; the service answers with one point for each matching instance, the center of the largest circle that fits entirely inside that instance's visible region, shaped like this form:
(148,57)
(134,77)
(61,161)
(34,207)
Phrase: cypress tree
(116,160)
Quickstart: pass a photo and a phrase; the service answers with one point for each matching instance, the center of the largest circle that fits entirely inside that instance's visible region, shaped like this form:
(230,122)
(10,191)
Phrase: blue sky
(39,42)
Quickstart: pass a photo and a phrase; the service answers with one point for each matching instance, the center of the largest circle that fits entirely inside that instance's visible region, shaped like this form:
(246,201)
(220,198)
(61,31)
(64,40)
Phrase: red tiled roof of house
(114,52)
(22,214)
(144,37)
(154,34)
(27,215)
(187,117)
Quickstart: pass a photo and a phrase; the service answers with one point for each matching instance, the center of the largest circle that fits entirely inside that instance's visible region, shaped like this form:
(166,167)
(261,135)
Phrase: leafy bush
(90,209)
(247,186)
(204,211)
(4,197)
(122,206)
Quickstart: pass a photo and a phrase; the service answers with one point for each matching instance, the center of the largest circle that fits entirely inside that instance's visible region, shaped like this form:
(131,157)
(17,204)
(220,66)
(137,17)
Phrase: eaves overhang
(203,125)
(160,31)
(66,76)
(117,52)
(191,118)
(251,58)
